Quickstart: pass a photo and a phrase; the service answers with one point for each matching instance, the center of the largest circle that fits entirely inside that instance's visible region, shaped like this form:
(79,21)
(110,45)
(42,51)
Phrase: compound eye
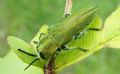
(42,55)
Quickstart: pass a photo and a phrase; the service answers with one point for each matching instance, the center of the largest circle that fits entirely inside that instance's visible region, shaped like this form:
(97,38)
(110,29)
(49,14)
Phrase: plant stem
(68,7)
(49,68)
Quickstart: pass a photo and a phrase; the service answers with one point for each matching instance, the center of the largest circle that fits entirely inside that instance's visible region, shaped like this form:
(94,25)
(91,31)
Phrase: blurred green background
(23,18)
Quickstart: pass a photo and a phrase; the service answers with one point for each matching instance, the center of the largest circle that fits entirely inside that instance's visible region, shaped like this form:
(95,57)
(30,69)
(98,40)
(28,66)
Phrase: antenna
(31,64)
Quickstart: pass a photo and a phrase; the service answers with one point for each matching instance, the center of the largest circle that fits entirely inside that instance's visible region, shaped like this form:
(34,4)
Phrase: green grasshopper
(57,36)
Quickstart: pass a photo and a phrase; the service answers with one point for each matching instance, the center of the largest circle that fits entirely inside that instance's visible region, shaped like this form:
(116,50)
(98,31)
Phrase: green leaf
(11,64)
(112,30)
(114,43)
(16,43)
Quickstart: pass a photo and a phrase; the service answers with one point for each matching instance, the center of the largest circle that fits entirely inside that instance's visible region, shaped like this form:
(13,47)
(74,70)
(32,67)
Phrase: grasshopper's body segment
(60,34)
